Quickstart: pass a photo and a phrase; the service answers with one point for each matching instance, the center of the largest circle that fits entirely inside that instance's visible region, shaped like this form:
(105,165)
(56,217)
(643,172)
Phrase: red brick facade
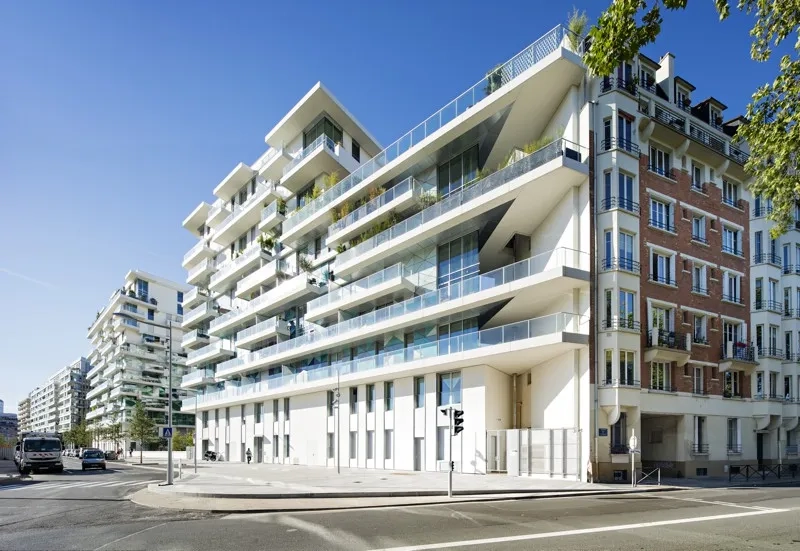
(710,202)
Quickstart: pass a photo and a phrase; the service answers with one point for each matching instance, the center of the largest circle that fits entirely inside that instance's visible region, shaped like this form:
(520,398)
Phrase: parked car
(93,459)
(111,455)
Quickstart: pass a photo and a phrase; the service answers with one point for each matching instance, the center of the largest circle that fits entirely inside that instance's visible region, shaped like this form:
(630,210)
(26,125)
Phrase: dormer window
(682,98)
(646,77)
(714,117)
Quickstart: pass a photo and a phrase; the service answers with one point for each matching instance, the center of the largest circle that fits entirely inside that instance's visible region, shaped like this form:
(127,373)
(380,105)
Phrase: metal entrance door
(496,451)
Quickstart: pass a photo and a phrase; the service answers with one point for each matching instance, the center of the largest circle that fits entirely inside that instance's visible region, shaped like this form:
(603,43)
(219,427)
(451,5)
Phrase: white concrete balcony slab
(668,346)
(520,286)
(232,269)
(199,314)
(505,348)
(211,353)
(398,199)
(260,332)
(97,390)
(245,215)
(539,180)
(535,81)
(322,155)
(197,218)
(265,275)
(193,297)
(294,290)
(141,352)
(218,212)
(233,182)
(197,378)
(200,251)
(272,215)
(95,413)
(738,357)
(194,339)
(392,281)
(270,165)
(201,271)
(124,390)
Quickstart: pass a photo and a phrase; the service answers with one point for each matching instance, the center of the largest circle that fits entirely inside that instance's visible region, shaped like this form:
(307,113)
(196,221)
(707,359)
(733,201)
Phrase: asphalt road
(77,511)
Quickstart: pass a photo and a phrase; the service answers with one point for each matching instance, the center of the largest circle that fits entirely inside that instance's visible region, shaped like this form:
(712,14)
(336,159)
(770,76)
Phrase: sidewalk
(237,487)
(8,472)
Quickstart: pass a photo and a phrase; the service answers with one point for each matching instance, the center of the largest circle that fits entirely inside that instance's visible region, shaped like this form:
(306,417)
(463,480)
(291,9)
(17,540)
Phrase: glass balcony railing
(230,266)
(197,376)
(267,325)
(207,264)
(321,141)
(482,282)
(473,191)
(195,250)
(380,201)
(271,209)
(216,208)
(209,349)
(359,287)
(262,190)
(197,312)
(285,288)
(529,329)
(265,158)
(492,82)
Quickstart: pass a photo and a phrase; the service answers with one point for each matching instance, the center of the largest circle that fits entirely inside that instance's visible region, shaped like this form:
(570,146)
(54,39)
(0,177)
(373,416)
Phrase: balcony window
(627,367)
(627,199)
(662,268)
(627,302)
(356,151)
(731,287)
(323,126)
(619,435)
(734,436)
(700,445)
(699,229)
(609,369)
(458,171)
(142,289)
(697,177)
(458,260)
(730,193)
(662,319)
(661,215)
(449,388)
(731,241)
(699,334)
(660,162)
(660,376)
(624,133)
(732,384)
(699,284)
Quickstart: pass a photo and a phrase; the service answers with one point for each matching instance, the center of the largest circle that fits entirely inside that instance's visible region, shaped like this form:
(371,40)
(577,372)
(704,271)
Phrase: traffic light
(458,420)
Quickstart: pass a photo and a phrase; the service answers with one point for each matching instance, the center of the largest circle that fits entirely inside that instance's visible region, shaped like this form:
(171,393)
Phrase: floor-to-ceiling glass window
(460,170)
(458,260)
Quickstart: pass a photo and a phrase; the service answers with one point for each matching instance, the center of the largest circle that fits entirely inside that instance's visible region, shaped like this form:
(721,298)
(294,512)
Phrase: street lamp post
(168,327)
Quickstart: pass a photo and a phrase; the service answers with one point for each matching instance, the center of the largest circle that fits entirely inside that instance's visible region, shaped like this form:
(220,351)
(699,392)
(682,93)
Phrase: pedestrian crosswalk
(75,485)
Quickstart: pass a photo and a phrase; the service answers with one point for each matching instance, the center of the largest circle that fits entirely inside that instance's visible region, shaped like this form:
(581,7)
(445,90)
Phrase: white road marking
(722,503)
(129,535)
(580,532)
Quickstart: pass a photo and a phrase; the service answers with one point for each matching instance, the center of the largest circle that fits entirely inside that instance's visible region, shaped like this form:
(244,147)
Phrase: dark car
(111,455)
(93,459)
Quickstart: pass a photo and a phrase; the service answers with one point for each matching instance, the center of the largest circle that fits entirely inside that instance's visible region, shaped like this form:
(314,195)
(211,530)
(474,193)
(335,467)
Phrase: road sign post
(633,444)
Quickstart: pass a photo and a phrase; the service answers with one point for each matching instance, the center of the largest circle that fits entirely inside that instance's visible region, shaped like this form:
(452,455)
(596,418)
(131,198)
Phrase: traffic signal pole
(450,454)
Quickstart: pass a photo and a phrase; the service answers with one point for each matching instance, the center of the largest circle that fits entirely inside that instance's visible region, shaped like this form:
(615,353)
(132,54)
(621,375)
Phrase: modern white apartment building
(24,414)
(564,258)
(346,293)
(775,280)
(130,354)
(60,403)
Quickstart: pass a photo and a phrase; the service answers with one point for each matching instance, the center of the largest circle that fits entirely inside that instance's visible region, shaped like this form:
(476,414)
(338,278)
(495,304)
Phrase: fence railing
(528,329)
(493,81)
(477,189)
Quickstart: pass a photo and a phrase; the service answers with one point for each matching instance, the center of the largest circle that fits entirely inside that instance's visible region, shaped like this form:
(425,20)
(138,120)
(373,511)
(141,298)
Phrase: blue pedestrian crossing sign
(166,432)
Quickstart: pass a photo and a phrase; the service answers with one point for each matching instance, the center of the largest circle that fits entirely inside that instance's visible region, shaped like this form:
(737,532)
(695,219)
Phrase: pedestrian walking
(249,455)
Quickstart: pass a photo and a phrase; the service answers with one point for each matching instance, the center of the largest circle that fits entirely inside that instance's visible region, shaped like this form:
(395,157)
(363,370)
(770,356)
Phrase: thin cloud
(29,279)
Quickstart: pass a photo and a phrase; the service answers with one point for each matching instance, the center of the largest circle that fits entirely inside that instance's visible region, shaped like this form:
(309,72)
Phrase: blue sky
(118,118)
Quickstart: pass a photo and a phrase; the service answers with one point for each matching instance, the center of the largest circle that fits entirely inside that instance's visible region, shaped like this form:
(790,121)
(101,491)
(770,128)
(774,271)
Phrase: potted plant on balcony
(304,263)
(281,207)
(266,241)
(331,179)
(576,27)
(340,248)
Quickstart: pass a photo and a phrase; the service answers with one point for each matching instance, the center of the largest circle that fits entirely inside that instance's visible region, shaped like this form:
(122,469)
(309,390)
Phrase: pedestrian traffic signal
(458,420)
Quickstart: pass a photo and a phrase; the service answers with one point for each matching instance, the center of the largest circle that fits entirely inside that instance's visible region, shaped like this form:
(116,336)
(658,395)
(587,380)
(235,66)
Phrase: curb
(464,499)
(156,488)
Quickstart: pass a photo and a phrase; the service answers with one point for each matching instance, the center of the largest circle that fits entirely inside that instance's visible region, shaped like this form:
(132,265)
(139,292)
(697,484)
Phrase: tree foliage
(142,428)
(181,441)
(78,436)
(772,130)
